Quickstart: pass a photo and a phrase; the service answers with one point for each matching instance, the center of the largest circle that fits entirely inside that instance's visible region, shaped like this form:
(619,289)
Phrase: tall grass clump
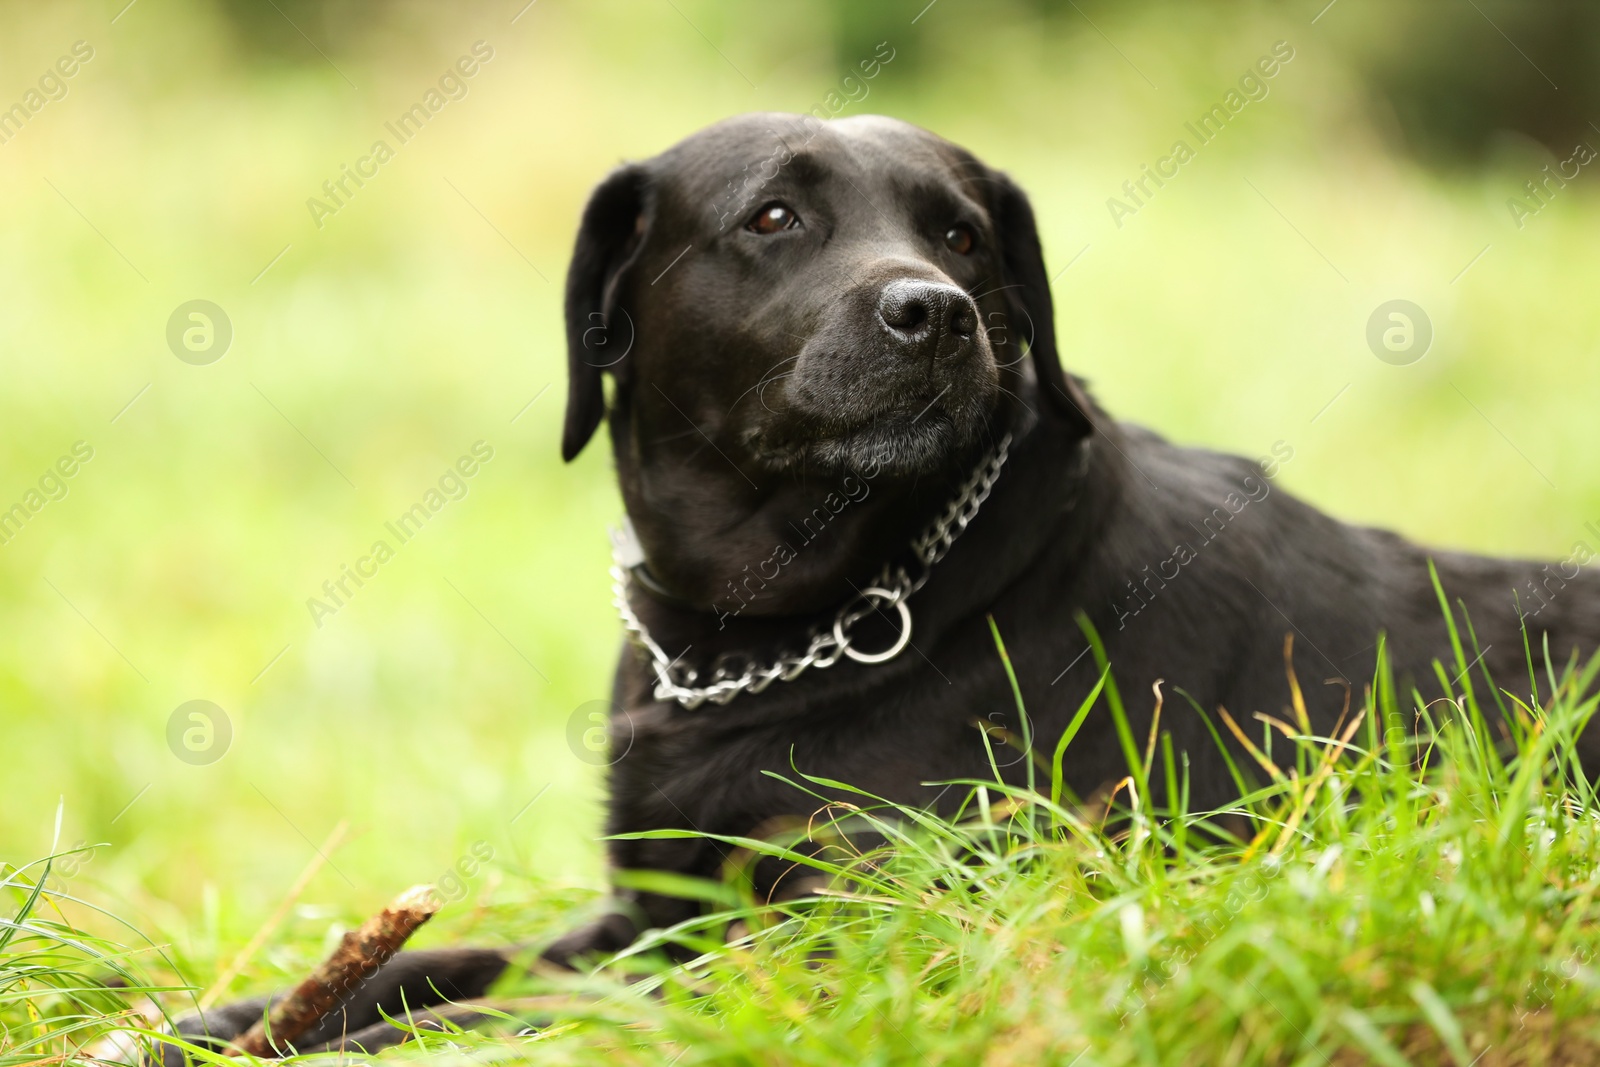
(64,991)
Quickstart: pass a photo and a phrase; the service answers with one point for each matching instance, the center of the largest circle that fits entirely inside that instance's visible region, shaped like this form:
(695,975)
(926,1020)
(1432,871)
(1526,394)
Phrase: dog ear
(613,230)
(1028,297)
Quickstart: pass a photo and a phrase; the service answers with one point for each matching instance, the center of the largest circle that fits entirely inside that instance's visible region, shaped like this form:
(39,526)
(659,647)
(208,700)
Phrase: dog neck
(740,543)
(1029,507)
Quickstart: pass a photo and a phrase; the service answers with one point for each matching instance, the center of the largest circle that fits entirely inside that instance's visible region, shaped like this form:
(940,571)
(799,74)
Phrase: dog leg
(411,981)
(414,982)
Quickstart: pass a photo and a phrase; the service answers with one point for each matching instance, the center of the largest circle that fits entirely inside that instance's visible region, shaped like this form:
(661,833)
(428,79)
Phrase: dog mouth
(894,444)
(906,440)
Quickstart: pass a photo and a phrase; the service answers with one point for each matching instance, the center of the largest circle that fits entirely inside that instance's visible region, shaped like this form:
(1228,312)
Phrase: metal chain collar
(891,588)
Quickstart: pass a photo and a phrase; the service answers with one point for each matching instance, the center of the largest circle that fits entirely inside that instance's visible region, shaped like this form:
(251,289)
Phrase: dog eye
(773,218)
(960,239)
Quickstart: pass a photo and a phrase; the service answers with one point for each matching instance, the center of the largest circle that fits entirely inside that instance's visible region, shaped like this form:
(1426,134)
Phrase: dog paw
(213,1030)
(413,986)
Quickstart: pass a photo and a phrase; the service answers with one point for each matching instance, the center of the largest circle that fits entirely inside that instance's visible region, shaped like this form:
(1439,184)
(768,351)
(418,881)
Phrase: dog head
(784,303)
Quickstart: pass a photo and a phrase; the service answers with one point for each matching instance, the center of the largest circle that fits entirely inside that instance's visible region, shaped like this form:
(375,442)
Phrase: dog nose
(928,315)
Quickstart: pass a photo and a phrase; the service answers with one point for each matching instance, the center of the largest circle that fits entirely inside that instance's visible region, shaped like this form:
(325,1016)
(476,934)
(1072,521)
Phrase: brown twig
(361,952)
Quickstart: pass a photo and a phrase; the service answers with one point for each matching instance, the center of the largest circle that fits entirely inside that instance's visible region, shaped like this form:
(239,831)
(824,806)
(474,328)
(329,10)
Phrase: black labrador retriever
(845,441)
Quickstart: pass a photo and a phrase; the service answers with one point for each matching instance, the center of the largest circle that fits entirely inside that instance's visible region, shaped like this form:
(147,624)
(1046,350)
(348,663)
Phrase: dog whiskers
(1014,396)
(764,381)
(761,392)
(996,289)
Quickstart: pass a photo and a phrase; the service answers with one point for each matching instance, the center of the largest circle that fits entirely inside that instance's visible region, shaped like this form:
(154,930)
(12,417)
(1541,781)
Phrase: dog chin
(899,448)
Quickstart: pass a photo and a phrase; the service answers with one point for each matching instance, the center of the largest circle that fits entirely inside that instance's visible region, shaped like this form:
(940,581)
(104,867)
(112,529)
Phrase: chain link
(892,587)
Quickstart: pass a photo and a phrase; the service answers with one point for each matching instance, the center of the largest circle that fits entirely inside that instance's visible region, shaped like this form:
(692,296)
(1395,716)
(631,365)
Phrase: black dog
(826,340)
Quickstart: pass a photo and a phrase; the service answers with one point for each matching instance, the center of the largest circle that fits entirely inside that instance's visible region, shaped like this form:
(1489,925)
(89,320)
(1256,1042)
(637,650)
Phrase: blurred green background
(372,352)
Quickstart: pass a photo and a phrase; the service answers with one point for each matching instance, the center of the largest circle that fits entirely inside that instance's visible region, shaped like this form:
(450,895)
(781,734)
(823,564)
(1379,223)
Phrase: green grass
(1376,896)
(55,977)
